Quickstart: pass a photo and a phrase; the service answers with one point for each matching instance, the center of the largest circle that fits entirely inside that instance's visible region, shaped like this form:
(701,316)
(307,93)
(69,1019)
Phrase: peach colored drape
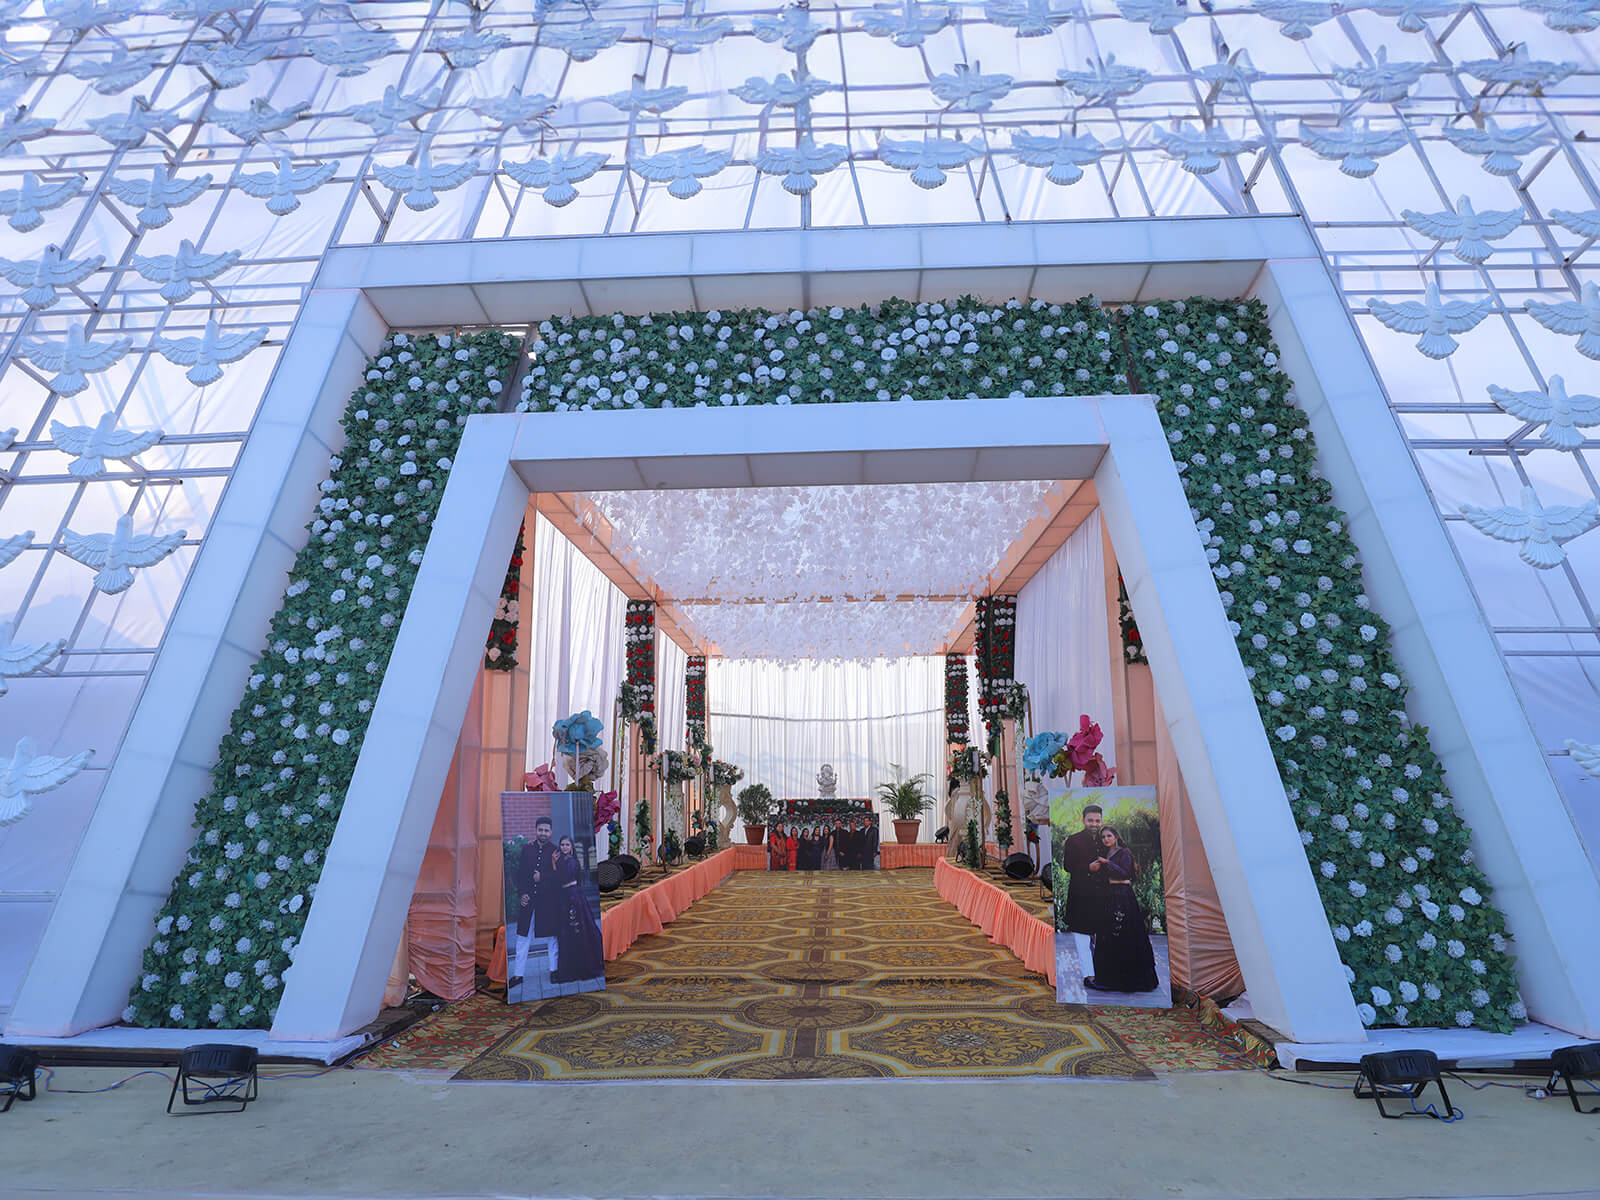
(893,855)
(1198,943)
(749,858)
(1006,922)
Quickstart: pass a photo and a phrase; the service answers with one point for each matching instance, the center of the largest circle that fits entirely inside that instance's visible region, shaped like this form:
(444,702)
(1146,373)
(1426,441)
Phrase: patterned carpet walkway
(809,976)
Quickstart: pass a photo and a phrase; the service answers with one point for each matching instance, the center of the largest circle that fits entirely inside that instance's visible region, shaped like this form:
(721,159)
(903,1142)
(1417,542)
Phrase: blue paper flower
(581,731)
(1040,750)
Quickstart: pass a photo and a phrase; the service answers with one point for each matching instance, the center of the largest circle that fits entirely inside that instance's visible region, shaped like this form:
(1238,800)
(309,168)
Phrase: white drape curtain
(574,637)
(1063,639)
(672,711)
(782,721)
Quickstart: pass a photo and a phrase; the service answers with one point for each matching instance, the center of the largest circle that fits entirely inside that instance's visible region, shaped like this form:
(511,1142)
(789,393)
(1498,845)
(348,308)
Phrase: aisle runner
(833,975)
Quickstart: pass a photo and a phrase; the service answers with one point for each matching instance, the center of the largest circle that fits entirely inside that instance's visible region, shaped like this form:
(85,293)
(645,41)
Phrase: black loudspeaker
(695,846)
(611,875)
(1570,1064)
(629,864)
(1018,865)
(17,1069)
(1402,1075)
(942,834)
(222,1074)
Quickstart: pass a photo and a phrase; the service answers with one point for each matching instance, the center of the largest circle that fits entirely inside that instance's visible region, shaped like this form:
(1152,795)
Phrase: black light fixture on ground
(610,874)
(221,1073)
(942,834)
(1403,1075)
(629,864)
(694,847)
(1571,1065)
(17,1069)
(1018,865)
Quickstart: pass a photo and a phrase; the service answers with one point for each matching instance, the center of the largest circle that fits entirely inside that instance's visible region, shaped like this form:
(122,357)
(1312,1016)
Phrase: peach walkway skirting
(1006,922)
(749,858)
(914,854)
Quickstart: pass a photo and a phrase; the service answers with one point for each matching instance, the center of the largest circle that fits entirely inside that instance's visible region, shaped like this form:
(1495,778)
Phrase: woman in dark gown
(1123,958)
(580,954)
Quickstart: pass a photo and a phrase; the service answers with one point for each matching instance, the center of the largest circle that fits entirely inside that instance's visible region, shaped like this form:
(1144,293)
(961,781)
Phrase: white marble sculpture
(178,273)
(205,354)
(24,206)
(1470,230)
(929,159)
(19,658)
(1564,415)
(1579,317)
(30,773)
(40,277)
(74,358)
(1539,530)
(91,445)
(158,195)
(557,175)
(1434,318)
(827,782)
(800,165)
(114,555)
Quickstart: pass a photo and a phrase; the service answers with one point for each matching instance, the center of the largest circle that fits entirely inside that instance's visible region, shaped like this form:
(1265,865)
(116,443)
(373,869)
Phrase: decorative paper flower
(1081,745)
(606,809)
(581,731)
(541,779)
(1038,757)
(1097,774)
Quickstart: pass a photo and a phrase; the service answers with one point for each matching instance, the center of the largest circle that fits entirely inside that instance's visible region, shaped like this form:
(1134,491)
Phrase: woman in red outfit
(794,848)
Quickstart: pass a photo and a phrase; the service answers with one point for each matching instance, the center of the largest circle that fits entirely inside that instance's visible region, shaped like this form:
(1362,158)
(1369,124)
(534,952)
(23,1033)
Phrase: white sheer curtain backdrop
(572,637)
(1063,640)
(672,707)
(782,721)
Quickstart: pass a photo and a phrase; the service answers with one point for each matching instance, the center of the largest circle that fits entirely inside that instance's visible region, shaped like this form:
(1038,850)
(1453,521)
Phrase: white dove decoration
(906,23)
(1580,317)
(1584,224)
(1501,148)
(91,445)
(178,273)
(468,47)
(793,29)
(681,170)
(1029,18)
(929,159)
(1587,757)
(17,659)
(1105,80)
(639,98)
(16,129)
(967,89)
(23,68)
(387,114)
(1295,18)
(253,123)
(1063,156)
(1517,69)
(79,16)
(39,278)
(350,51)
(419,182)
(1162,16)
(801,165)
(581,42)
(158,195)
(1472,231)
(1562,414)
(282,189)
(1357,148)
(782,91)
(14,545)
(113,556)
(74,358)
(30,773)
(1200,151)
(1383,82)
(24,207)
(8,437)
(1541,531)
(226,65)
(1433,318)
(203,354)
(131,128)
(1412,15)
(113,75)
(516,111)
(1231,75)
(1569,16)
(556,175)
(691,37)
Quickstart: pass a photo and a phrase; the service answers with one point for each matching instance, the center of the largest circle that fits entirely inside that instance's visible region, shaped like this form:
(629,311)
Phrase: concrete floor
(372,1133)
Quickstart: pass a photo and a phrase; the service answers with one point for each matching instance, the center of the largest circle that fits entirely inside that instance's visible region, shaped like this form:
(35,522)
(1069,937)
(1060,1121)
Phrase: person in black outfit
(538,902)
(869,857)
(1124,960)
(1086,890)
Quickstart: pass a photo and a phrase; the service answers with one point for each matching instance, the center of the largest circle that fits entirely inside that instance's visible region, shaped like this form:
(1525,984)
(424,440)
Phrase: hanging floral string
(500,651)
(694,686)
(1002,820)
(638,692)
(956,724)
(1132,643)
(996,653)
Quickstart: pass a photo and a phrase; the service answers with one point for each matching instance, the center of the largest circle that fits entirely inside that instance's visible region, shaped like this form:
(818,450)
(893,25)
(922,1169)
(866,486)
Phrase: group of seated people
(840,844)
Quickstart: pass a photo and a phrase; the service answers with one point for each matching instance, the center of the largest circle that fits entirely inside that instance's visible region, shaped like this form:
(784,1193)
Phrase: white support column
(1524,837)
(90,953)
(337,979)
(1275,916)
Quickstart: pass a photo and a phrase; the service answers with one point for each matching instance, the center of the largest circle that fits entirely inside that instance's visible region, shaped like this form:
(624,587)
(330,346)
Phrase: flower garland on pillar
(956,725)
(997,655)
(1132,643)
(638,700)
(500,651)
(694,687)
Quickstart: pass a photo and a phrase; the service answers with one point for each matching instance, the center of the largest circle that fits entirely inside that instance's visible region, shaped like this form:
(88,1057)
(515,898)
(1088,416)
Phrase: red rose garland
(956,726)
(500,650)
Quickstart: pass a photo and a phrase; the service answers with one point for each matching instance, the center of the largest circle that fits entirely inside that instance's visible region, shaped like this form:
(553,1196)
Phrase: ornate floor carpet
(808,976)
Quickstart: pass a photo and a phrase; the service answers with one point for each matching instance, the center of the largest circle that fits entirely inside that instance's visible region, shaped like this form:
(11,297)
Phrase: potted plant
(906,797)
(755,806)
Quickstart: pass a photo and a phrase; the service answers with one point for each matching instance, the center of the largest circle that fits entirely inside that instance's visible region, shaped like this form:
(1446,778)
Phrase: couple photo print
(553,944)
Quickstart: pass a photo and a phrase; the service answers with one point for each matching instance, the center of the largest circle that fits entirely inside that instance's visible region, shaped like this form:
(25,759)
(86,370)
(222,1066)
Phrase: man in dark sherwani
(538,900)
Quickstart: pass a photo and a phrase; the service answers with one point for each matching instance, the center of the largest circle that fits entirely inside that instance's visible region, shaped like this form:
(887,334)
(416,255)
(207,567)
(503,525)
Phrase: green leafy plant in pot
(907,798)
(756,805)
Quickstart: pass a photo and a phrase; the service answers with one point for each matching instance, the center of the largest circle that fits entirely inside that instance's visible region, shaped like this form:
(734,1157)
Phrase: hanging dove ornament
(1517,69)
(801,164)
(1105,80)
(1063,156)
(117,74)
(18,659)
(11,547)
(1382,82)
(1587,757)
(15,129)
(178,273)
(556,176)
(1026,18)
(30,773)
(74,358)
(1501,148)
(350,51)
(516,111)
(1568,16)
(157,196)
(91,445)
(967,89)
(1233,75)
(681,170)
(1200,151)
(927,160)
(1161,16)
(1411,16)
(204,354)
(282,188)
(906,23)
(128,130)
(259,119)
(1356,147)
(1471,231)
(1541,532)
(691,37)
(793,29)
(1435,319)
(583,41)
(24,207)
(386,114)
(468,47)
(114,556)
(419,182)
(39,278)
(1295,18)
(224,64)
(1584,224)
(1561,414)
(639,98)
(782,91)
(1579,318)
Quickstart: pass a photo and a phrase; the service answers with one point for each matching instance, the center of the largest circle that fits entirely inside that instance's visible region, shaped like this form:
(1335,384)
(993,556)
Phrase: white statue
(827,782)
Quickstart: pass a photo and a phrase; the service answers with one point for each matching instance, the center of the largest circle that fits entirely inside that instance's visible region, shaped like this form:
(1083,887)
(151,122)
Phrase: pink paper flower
(1081,745)
(605,809)
(1097,774)
(540,779)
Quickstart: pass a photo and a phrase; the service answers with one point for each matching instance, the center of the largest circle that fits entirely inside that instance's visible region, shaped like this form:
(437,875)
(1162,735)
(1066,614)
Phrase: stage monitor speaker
(694,847)
(221,1073)
(1018,866)
(611,875)
(18,1067)
(629,864)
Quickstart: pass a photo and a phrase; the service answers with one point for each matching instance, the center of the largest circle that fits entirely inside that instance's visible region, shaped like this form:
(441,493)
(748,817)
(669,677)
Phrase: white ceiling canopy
(821,572)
